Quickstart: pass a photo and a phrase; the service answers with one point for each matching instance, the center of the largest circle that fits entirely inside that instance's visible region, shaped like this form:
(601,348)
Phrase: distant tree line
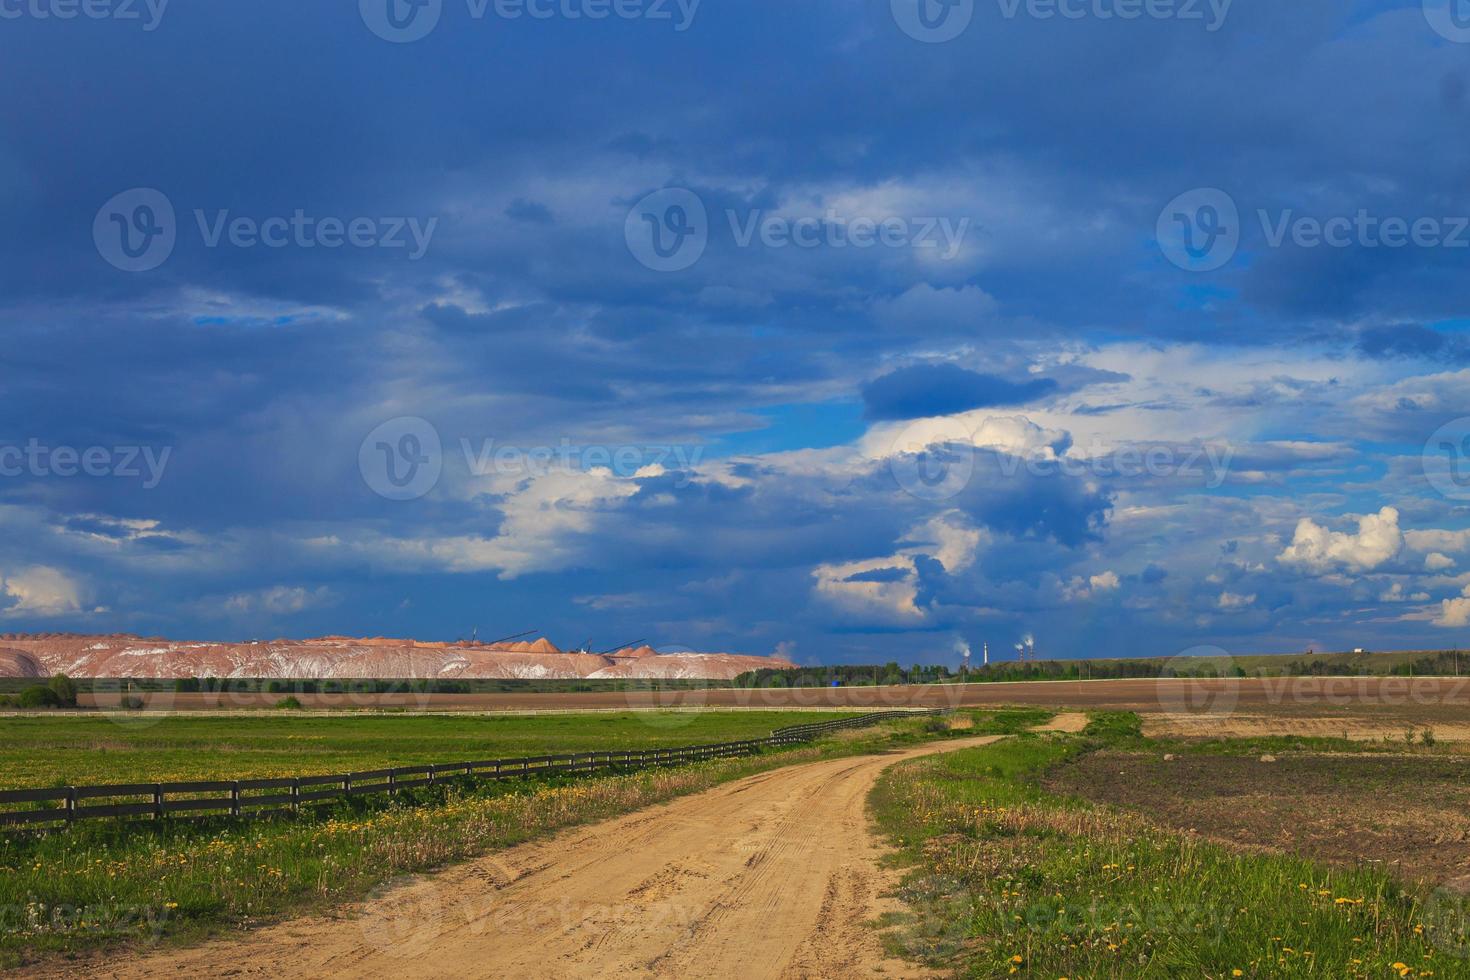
(1040,670)
(59,692)
(865,675)
(1443,662)
(264,685)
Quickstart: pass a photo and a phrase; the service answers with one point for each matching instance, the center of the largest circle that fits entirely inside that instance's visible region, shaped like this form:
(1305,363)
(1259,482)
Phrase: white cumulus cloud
(1318,549)
(1454,612)
(41,591)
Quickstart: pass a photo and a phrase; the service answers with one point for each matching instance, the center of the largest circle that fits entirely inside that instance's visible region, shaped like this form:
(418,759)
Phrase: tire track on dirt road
(774,875)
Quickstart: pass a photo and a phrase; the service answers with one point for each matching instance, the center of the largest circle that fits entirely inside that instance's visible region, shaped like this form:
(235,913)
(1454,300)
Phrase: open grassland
(1010,873)
(41,751)
(112,883)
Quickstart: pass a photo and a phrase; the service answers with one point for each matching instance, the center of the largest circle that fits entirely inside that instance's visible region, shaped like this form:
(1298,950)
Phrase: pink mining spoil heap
(327,657)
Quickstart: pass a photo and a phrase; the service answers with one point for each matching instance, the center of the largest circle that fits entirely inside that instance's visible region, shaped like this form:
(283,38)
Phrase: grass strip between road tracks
(112,885)
(1007,879)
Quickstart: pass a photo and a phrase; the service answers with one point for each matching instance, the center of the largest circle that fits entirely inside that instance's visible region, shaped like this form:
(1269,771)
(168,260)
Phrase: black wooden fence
(249,797)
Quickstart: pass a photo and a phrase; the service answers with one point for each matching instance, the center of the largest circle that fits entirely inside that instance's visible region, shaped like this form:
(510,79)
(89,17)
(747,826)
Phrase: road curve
(773,875)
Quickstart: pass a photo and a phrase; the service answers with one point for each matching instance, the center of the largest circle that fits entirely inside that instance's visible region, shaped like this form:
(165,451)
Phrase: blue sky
(854,331)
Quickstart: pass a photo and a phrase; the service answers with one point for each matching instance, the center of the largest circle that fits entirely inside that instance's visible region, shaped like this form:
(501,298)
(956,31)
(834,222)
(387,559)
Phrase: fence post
(235,799)
(71,803)
(296,795)
(157,801)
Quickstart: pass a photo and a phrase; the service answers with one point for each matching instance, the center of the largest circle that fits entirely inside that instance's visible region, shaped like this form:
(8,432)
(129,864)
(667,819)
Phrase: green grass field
(44,751)
(1007,878)
(110,884)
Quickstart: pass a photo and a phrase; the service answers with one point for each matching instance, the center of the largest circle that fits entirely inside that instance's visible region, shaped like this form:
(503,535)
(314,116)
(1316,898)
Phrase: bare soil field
(773,875)
(1407,814)
(1359,726)
(1384,703)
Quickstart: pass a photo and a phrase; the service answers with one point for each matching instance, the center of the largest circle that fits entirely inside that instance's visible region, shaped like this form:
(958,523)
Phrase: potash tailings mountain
(125,655)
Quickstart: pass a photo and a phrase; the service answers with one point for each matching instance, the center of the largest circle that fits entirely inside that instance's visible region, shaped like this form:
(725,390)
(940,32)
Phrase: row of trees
(891,673)
(59,692)
(867,675)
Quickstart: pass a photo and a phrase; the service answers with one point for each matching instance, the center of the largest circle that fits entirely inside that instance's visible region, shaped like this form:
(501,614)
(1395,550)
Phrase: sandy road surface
(770,876)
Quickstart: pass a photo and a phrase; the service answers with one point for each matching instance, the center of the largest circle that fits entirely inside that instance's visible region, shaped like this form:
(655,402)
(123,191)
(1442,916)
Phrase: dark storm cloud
(945,389)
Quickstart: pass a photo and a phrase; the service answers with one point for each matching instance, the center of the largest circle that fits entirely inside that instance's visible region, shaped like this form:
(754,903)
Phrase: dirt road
(771,876)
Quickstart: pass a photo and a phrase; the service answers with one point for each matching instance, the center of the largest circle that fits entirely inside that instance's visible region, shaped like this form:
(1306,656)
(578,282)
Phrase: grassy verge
(1007,879)
(45,751)
(113,883)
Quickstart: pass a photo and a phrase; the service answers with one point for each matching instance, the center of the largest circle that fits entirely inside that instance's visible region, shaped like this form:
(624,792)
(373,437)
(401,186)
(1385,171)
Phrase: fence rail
(249,797)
